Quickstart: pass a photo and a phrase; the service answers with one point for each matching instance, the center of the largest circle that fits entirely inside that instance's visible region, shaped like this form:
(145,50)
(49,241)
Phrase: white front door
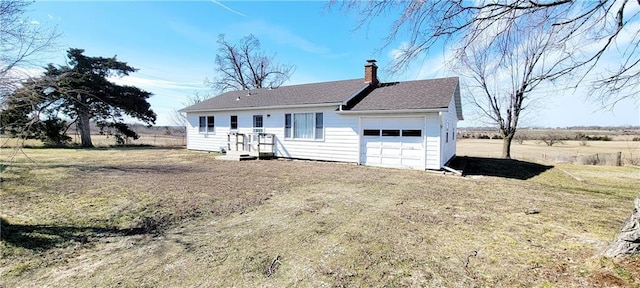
(392,142)
(258,127)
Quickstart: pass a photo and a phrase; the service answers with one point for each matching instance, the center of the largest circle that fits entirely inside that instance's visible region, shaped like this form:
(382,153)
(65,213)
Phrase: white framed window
(207,124)
(304,126)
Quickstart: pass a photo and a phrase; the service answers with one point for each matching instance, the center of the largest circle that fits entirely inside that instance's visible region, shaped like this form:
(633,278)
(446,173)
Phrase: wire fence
(610,159)
(157,140)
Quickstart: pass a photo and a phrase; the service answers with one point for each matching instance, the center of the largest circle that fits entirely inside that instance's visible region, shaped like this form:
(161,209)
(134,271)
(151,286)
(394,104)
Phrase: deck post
(259,141)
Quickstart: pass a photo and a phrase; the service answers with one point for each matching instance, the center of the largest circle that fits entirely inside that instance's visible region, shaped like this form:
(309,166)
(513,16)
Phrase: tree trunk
(506,145)
(85,129)
(628,241)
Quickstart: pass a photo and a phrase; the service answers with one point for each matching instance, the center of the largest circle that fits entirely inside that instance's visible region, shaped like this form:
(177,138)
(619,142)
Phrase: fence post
(619,159)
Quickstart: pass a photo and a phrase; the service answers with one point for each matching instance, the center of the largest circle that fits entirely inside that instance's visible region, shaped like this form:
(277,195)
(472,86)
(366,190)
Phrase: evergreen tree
(80,91)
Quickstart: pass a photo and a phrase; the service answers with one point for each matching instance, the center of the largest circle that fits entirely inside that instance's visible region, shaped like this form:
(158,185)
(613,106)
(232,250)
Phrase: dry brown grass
(569,152)
(170,217)
(156,140)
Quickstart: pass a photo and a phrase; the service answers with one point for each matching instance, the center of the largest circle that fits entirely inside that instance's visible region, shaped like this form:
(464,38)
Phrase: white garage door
(392,142)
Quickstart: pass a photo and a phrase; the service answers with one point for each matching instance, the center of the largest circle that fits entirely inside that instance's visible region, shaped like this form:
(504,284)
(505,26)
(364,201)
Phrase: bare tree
(551,139)
(504,72)
(591,30)
(21,41)
(244,66)
(180,119)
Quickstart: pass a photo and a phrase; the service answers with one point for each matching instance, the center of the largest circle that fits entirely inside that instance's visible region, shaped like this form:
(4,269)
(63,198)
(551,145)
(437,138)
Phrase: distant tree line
(552,137)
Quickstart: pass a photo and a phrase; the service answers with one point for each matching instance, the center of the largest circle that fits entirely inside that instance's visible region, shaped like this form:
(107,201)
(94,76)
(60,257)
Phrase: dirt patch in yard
(204,222)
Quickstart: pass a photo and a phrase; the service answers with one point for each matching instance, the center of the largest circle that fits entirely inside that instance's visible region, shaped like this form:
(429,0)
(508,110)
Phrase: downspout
(441,143)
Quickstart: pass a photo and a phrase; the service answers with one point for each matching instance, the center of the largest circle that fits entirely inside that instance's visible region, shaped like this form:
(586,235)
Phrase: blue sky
(173,43)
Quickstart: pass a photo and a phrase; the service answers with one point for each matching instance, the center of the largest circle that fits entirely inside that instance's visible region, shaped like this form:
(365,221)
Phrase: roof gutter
(264,107)
(396,111)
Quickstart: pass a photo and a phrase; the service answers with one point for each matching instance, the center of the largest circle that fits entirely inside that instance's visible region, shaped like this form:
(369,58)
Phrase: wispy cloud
(428,66)
(284,36)
(152,84)
(227,8)
(194,34)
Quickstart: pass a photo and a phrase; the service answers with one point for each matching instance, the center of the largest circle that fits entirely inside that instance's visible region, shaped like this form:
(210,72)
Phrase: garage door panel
(391,145)
(373,145)
(410,147)
(373,152)
(371,160)
(391,152)
(413,154)
(390,161)
(412,141)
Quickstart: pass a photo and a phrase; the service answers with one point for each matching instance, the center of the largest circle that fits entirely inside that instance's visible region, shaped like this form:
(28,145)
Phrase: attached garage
(393,142)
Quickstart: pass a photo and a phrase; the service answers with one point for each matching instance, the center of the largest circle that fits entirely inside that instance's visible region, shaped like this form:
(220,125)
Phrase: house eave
(335,104)
(395,111)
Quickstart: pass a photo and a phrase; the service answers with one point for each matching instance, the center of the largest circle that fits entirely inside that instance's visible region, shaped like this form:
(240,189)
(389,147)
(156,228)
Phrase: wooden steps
(244,155)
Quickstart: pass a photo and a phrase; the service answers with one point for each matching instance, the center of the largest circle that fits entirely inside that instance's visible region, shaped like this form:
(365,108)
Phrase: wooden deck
(240,147)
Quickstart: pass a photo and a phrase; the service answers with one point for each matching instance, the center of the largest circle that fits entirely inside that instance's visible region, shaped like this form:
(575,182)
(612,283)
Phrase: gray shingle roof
(315,93)
(420,94)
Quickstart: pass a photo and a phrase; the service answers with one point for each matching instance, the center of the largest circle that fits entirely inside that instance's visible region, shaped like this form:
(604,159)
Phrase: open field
(577,152)
(171,217)
(157,140)
(612,133)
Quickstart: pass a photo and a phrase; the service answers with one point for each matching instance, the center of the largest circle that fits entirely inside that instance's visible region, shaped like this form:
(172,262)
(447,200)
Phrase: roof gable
(419,94)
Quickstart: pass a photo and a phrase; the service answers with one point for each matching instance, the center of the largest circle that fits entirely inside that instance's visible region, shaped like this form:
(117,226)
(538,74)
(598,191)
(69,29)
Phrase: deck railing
(260,143)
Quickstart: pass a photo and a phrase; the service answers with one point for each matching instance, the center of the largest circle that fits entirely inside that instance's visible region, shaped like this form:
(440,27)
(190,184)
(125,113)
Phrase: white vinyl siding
(449,127)
(432,139)
(339,133)
(339,137)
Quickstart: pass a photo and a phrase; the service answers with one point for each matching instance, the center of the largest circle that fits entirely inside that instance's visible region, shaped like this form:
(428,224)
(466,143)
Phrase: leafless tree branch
(244,66)
(591,33)
(21,42)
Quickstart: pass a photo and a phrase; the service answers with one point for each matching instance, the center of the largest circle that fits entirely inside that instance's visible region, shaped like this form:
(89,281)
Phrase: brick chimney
(371,72)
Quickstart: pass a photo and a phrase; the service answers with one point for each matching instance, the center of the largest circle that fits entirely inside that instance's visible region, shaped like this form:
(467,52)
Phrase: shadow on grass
(126,167)
(45,237)
(173,169)
(498,167)
(109,147)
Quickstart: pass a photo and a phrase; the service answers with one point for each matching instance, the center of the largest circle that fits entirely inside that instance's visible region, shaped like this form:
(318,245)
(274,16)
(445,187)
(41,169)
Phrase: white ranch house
(408,124)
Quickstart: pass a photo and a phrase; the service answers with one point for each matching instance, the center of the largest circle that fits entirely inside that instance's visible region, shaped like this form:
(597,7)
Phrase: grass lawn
(170,217)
